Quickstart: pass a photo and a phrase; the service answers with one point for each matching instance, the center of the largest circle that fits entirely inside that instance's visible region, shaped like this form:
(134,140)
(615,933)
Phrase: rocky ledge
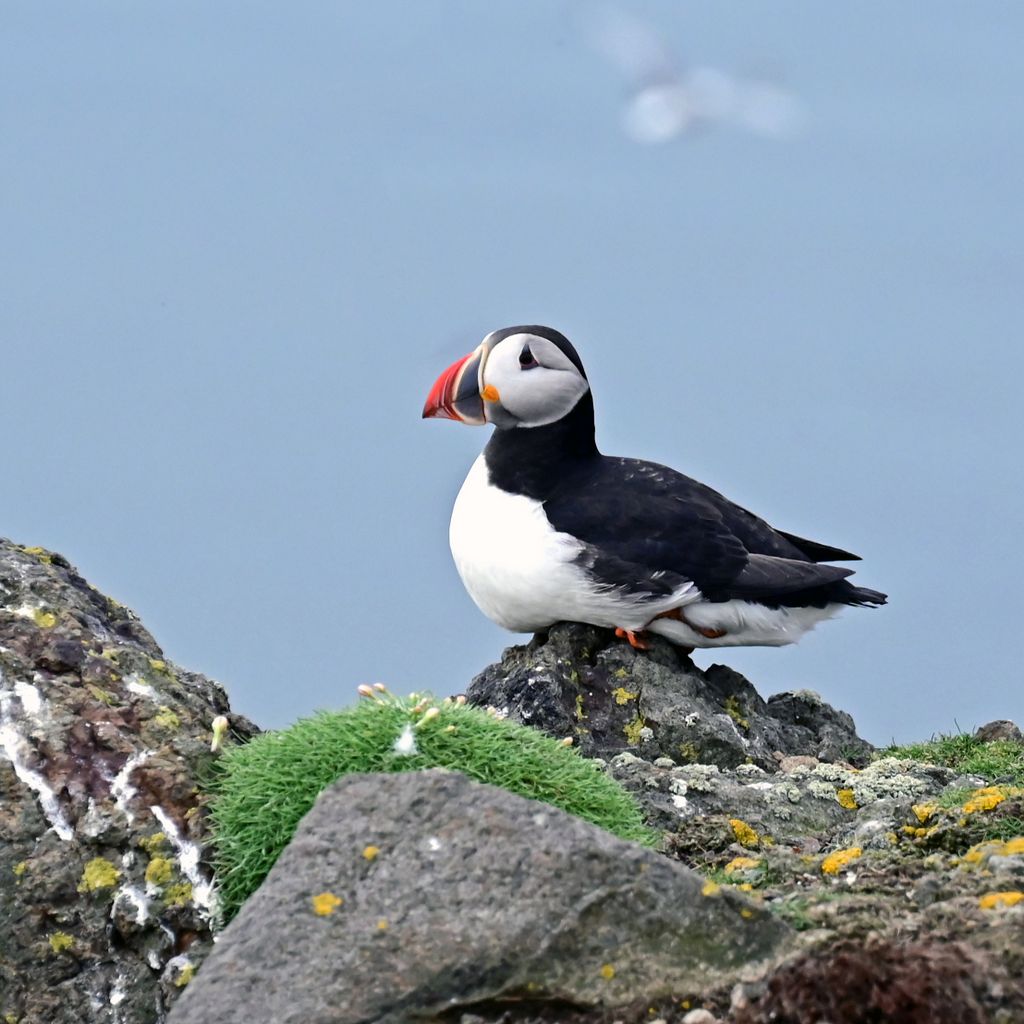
(799,875)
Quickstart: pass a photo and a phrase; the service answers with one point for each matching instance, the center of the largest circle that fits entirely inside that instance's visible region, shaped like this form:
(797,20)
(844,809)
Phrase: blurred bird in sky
(667,100)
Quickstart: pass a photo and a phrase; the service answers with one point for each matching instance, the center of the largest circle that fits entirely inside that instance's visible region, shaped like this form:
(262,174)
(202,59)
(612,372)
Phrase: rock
(582,682)
(414,895)
(105,902)
(999,730)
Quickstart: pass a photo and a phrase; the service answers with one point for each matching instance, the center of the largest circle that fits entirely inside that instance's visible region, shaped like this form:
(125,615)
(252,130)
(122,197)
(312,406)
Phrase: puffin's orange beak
(456,393)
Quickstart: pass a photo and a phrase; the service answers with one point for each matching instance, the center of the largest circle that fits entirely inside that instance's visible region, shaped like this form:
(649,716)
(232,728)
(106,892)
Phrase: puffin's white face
(515,378)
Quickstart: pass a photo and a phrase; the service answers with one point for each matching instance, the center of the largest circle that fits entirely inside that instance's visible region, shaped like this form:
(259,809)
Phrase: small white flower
(406,743)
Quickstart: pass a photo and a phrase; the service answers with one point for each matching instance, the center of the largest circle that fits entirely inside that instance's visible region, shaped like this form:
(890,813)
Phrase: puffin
(547,529)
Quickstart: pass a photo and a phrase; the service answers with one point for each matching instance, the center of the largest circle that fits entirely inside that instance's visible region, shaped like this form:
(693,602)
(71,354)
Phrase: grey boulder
(581,681)
(405,897)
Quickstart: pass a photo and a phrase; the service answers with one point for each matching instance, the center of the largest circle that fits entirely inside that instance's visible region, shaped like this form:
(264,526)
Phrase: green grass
(262,790)
(999,761)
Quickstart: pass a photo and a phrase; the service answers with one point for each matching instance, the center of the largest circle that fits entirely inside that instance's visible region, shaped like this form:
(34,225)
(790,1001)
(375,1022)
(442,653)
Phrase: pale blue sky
(239,241)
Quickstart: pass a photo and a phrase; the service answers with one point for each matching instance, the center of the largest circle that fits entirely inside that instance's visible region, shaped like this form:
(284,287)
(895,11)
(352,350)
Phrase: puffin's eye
(526,360)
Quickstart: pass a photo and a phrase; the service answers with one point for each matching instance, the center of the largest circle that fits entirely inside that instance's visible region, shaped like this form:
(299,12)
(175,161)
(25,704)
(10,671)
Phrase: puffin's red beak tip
(455,394)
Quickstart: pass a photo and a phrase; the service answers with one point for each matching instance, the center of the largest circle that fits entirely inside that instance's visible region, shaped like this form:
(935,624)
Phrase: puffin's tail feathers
(865,597)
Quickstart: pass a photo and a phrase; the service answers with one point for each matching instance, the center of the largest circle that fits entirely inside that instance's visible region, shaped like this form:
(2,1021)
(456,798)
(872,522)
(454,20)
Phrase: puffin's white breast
(518,569)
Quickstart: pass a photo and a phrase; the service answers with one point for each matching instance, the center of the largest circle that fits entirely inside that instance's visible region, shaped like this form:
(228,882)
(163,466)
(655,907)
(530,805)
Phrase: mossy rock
(262,789)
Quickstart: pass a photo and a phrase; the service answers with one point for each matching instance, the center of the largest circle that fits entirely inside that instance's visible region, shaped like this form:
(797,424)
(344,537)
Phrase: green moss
(996,761)
(264,787)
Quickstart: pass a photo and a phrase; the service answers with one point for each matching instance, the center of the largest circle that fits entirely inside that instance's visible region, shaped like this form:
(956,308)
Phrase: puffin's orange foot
(633,638)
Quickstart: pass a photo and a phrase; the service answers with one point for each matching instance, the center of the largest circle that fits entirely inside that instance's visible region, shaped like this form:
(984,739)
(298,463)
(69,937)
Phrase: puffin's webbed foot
(634,638)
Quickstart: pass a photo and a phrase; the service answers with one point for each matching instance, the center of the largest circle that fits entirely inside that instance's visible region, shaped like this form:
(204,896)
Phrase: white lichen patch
(131,897)
(433,844)
(137,685)
(31,701)
(187,854)
(121,789)
(17,750)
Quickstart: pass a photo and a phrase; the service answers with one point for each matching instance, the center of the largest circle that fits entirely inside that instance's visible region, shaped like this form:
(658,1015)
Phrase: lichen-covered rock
(423,896)
(105,899)
(582,682)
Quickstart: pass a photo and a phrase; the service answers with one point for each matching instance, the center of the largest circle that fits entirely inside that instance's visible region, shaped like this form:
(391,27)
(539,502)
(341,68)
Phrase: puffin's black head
(518,377)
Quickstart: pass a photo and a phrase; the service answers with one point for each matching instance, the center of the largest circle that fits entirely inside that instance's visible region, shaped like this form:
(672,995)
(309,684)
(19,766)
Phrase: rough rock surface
(581,681)
(105,901)
(425,895)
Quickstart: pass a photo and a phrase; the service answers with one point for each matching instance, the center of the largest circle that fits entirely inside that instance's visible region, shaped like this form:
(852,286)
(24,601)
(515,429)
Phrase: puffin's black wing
(646,524)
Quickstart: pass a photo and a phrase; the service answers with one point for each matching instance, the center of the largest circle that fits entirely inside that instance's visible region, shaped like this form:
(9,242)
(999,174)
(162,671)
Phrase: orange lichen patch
(835,862)
(924,811)
(745,835)
(918,832)
(490,394)
(607,972)
(370,853)
(994,900)
(325,903)
(710,888)
(984,799)
(979,853)
(741,864)
(846,799)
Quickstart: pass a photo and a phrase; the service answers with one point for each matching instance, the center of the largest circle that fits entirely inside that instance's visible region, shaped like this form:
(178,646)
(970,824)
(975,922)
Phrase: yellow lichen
(103,696)
(371,852)
(741,864)
(20,868)
(745,835)
(179,895)
(734,710)
(689,753)
(892,837)
(622,695)
(158,664)
(153,843)
(846,799)
(984,799)
(746,912)
(98,873)
(607,972)
(992,900)
(632,731)
(580,715)
(325,903)
(924,811)
(61,941)
(159,871)
(746,886)
(166,719)
(44,620)
(835,862)
(382,924)
(710,888)
(41,553)
(184,976)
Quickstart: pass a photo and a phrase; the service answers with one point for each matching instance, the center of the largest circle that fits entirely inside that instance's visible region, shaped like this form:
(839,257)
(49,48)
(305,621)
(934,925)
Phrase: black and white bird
(547,529)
